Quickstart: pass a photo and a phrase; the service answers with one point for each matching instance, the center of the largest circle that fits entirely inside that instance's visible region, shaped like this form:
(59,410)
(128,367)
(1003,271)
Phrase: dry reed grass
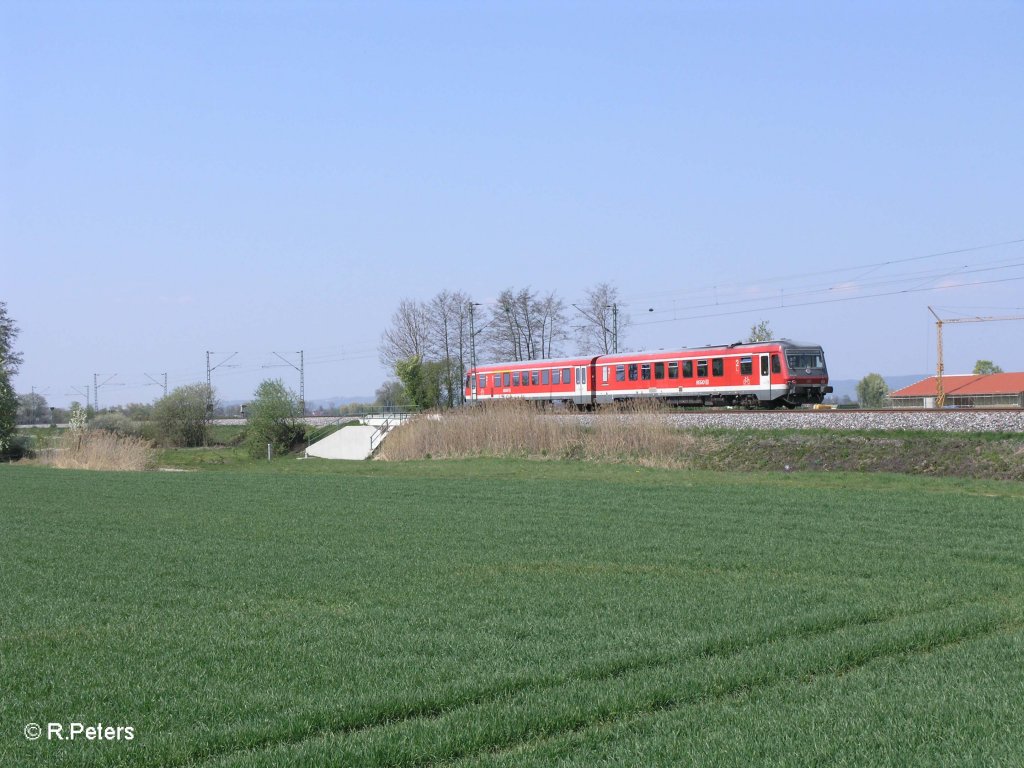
(518,430)
(98,449)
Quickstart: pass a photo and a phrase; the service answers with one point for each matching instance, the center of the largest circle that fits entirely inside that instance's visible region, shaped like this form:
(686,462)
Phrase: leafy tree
(391,393)
(872,391)
(421,381)
(10,361)
(8,417)
(32,409)
(760,332)
(985,367)
(274,417)
(182,416)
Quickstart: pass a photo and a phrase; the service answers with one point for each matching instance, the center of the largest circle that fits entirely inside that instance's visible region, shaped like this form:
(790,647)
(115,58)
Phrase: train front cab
(805,378)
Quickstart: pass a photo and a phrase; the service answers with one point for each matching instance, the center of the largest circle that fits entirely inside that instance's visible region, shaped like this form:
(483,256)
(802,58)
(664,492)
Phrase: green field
(511,613)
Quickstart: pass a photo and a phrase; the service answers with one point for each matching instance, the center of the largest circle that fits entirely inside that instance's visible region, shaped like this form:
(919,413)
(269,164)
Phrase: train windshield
(805,360)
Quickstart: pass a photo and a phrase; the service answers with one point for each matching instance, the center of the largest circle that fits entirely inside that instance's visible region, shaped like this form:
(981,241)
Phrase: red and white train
(763,374)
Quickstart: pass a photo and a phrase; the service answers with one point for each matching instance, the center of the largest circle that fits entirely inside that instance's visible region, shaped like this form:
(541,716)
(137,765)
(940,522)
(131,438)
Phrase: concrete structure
(357,442)
(994,390)
(351,443)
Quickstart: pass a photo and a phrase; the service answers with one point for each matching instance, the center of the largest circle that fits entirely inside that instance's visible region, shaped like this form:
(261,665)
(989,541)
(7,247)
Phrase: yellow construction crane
(940,393)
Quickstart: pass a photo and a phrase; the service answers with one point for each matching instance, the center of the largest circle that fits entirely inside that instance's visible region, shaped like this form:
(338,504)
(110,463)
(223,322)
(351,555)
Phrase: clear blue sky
(260,177)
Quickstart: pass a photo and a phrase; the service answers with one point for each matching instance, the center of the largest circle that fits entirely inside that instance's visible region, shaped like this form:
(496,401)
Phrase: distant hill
(848,387)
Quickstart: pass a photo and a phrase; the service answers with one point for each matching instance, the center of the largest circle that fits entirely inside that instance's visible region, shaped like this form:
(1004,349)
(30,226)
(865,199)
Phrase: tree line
(429,345)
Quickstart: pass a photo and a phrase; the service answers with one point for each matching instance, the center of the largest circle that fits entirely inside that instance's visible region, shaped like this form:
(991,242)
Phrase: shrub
(115,422)
(182,417)
(274,417)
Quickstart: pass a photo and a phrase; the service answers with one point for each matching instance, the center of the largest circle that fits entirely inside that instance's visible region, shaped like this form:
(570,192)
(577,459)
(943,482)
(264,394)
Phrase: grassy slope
(511,613)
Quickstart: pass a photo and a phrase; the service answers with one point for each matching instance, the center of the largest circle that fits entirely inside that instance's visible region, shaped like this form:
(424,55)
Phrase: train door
(582,392)
(766,380)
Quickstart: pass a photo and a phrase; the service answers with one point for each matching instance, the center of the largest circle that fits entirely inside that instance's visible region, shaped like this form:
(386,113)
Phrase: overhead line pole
(472,348)
(301,368)
(209,379)
(940,393)
(164,385)
(96,384)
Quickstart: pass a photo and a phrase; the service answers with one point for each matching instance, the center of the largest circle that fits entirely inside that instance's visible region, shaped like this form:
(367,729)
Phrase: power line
(839,270)
(831,301)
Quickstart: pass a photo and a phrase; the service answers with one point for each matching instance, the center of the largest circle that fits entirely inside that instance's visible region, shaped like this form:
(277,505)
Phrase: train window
(659,370)
(566,378)
(632,371)
(764,365)
(645,371)
(544,377)
(673,370)
(483,381)
(535,377)
(556,376)
(506,376)
(581,375)
(471,381)
(515,379)
(687,369)
(620,373)
(776,364)
(746,366)
(717,367)
(604,374)
(497,379)
(702,368)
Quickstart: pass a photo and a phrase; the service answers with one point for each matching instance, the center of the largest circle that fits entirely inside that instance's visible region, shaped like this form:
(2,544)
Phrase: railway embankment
(970,444)
(968,455)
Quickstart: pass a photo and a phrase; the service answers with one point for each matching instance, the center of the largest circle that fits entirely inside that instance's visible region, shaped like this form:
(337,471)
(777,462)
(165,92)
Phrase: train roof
(785,343)
(585,360)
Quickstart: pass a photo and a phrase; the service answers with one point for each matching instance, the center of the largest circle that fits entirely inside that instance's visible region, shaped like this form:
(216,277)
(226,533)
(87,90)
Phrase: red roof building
(992,390)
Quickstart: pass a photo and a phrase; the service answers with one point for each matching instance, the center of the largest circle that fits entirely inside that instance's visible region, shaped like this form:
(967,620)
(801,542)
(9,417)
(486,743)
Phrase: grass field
(511,613)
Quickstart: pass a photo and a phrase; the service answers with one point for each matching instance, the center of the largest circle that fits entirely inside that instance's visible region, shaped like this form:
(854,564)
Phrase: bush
(115,422)
(274,418)
(182,417)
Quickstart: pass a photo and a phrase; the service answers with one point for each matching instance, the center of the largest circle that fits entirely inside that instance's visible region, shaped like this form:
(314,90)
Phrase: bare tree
(435,332)
(603,328)
(505,335)
(448,319)
(524,326)
(549,314)
(409,334)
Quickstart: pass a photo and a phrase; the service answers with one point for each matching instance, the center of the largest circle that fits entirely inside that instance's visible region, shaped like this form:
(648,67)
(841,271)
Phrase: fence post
(269,449)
